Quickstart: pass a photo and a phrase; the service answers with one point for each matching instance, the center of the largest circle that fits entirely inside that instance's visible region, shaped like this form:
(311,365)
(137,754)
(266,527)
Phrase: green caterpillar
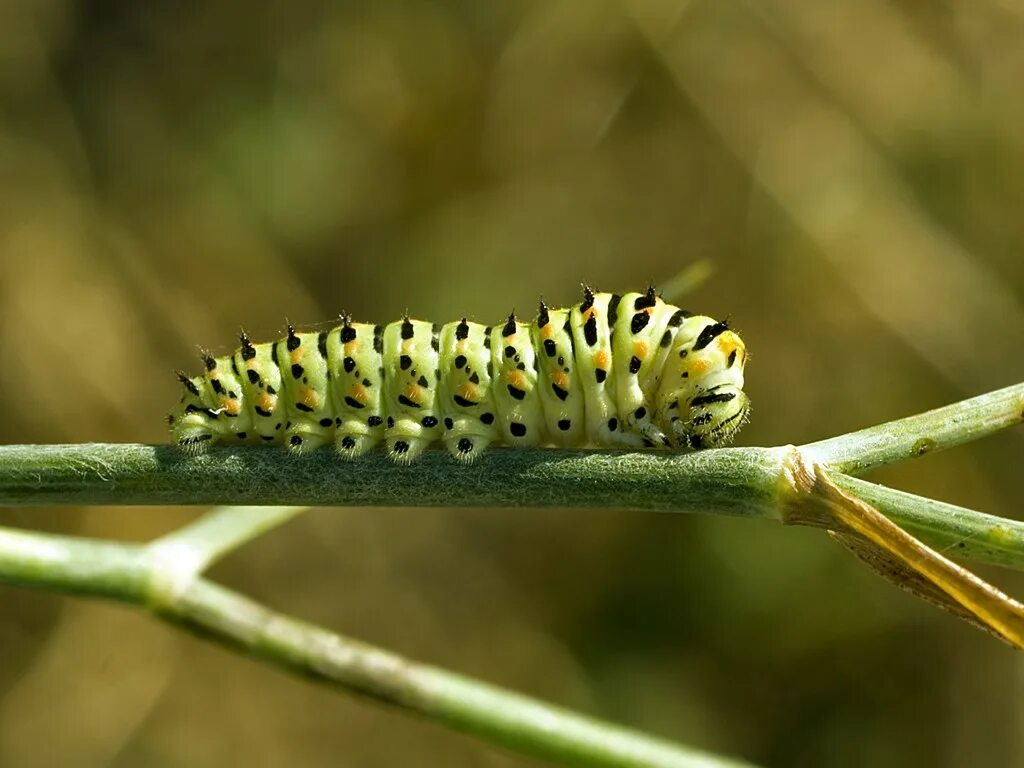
(621,371)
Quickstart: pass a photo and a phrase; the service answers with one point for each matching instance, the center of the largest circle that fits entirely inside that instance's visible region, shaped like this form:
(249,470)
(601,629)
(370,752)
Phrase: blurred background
(850,175)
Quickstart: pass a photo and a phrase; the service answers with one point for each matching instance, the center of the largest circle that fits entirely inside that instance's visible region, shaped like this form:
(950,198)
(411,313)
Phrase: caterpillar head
(701,402)
(711,419)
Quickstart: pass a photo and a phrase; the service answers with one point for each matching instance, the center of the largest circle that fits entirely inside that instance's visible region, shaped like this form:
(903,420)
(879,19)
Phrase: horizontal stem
(122,572)
(858,452)
(737,481)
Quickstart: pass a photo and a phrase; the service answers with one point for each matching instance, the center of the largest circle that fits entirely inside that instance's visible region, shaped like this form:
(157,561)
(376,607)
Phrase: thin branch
(947,528)
(858,452)
(180,556)
(122,572)
(897,556)
(80,566)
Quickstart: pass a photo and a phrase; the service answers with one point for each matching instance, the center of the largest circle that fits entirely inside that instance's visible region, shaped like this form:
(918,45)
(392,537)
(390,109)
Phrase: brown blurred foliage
(852,170)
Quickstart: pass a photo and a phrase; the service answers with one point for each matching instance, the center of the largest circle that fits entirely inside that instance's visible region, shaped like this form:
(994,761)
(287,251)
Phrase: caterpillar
(626,371)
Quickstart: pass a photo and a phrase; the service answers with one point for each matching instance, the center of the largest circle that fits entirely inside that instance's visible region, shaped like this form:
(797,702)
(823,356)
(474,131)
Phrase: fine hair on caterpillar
(627,371)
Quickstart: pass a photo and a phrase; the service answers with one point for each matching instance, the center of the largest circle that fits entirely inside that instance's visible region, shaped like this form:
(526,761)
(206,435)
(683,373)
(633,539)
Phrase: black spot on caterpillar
(615,370)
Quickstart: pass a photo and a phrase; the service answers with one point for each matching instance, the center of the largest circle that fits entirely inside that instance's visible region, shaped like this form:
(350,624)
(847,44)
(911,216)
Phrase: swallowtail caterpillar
(627,371)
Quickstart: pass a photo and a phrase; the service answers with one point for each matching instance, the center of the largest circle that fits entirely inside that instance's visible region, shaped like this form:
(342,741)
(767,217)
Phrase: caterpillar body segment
(643,335)
(304,393)
(261,388)
(412,371)
(520,415)
(468,383)
(620,371)
(560,381)
(355,370)
(591,339)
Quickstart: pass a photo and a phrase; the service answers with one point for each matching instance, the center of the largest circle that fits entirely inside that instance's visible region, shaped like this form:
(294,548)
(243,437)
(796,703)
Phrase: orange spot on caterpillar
(296,355)
(358,391)
(640,350)
(699,366)
(548,331)
(729,342)
(516,378)
(560,379)
(309,398)
(232,407)
(601,359)
(588,314)
(412,391)
(266,402)
(468,391)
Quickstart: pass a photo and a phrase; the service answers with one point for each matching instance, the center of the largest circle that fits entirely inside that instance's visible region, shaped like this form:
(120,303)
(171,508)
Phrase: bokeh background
(849,176)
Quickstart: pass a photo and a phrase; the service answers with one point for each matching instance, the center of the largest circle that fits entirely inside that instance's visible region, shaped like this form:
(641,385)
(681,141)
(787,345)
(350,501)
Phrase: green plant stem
(737,481)
(220,532)
(124,572)
(81,566)
(859,452)
(951,530)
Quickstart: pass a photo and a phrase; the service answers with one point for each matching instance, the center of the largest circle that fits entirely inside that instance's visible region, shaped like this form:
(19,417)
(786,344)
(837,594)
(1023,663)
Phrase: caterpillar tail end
(193,438)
